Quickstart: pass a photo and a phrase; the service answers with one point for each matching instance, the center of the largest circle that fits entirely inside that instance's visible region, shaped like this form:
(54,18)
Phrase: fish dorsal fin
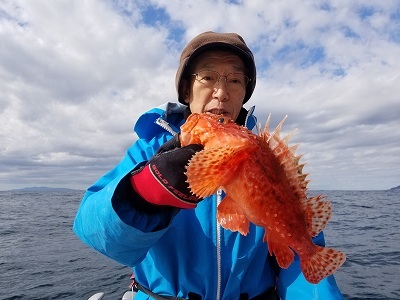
(286,156)
(317,210)
(277,131)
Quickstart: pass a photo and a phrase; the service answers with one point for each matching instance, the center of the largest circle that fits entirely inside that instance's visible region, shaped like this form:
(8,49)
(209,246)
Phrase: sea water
(41,258)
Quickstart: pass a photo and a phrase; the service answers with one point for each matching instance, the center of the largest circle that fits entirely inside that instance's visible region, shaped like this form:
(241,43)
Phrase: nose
(221,91)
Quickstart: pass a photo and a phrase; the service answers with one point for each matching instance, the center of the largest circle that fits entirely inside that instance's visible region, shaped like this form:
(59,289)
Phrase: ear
(184,90)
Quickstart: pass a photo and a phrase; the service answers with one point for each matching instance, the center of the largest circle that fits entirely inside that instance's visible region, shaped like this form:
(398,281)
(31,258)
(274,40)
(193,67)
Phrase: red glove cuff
(154,188)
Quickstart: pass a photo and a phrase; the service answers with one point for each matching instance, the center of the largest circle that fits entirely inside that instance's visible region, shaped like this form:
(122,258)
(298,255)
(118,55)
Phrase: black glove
(162,181)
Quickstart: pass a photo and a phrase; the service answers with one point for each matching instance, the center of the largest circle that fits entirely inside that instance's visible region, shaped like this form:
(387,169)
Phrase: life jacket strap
(270,294)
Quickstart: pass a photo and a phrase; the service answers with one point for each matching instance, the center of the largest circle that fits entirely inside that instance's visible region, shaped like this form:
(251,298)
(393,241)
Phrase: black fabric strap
(270,294)
(138,287)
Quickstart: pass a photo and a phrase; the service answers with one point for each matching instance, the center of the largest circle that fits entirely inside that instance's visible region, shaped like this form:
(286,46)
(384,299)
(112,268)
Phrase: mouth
(218,111)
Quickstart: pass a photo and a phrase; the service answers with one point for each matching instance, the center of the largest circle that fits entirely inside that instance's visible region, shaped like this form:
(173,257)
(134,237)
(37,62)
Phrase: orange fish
(264,184)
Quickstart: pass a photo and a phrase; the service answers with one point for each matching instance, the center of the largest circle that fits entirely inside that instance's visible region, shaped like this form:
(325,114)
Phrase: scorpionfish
(264,184)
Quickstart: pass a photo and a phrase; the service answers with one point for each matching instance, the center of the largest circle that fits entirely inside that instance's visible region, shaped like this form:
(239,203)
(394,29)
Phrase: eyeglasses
(233,81)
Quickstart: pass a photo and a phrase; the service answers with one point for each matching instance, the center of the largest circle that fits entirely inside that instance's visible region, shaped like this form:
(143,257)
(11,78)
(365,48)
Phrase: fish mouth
(218,111)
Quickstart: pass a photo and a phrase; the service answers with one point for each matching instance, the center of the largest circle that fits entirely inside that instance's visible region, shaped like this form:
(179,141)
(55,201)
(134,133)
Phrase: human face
(218,99)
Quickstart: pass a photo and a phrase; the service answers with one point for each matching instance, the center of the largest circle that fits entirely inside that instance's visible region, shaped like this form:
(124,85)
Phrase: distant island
(397,188)
(43,189)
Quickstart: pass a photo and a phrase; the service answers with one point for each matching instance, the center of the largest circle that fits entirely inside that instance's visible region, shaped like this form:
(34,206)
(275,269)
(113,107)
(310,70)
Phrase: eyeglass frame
(219,77)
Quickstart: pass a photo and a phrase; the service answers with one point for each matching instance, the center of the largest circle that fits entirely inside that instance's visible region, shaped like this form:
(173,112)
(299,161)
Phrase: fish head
(212,130)
(189,130)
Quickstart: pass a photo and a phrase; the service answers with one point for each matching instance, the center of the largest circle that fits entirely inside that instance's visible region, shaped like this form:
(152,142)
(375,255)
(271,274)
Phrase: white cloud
(76,75)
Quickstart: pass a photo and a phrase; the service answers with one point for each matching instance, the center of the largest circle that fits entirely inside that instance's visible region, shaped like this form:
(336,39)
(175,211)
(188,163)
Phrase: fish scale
(264,184)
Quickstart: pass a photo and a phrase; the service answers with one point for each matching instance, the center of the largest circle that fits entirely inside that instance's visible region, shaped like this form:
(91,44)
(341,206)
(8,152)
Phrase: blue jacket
(177,252)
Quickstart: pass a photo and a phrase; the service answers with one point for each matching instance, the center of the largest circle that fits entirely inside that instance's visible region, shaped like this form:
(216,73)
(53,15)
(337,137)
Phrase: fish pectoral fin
(322,264)
(231,216)
(283,254)
(211,168)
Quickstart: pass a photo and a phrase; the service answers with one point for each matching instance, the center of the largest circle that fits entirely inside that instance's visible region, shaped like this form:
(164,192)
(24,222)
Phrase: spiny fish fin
(318,212)
(288,137)
(259,131)
(283,254)
(284,153)
(277,131)
(322,264)
(289,161)
(266,127)
(293,149)
(209,169)
(300,168)
(293,170)
(231,216)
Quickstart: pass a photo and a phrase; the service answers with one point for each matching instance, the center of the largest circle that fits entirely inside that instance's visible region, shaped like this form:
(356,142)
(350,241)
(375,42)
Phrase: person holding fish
(201,207)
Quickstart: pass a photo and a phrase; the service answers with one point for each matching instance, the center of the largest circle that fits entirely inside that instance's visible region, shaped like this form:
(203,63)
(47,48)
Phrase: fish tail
(322,264)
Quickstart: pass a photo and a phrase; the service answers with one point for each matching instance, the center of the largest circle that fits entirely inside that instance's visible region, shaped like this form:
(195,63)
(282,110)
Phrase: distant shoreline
(43,189)
(50,189)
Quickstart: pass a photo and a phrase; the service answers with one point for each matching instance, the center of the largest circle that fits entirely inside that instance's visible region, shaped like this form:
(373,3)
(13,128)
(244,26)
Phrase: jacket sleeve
(108,219)
(293,285)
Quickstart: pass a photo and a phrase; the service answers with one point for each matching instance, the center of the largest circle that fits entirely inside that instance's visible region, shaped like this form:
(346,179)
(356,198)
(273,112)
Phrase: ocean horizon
(43,259)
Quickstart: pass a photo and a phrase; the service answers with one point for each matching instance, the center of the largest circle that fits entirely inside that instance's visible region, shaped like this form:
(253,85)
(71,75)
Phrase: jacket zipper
(218,246)
(164,124)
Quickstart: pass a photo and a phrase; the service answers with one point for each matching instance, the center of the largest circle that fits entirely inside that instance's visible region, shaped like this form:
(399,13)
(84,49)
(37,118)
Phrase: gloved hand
(162,180)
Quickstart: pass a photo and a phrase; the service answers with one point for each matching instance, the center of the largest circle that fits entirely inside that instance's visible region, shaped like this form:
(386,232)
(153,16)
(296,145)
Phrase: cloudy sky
(75,75)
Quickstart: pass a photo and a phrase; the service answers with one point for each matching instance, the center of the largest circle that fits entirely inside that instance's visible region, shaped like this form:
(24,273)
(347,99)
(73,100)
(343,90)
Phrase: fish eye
(221,120)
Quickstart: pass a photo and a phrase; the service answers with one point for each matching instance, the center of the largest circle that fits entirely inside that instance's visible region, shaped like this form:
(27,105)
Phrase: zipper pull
(164,124)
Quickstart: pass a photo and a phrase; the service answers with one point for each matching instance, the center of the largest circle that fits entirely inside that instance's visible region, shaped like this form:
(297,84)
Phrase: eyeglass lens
(232,80)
